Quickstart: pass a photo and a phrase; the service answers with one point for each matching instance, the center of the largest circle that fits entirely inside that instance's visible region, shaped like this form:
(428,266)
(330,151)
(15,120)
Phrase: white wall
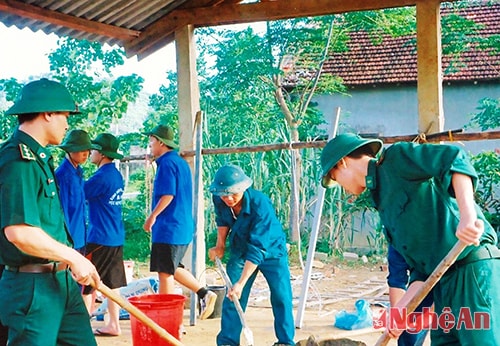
(392,110)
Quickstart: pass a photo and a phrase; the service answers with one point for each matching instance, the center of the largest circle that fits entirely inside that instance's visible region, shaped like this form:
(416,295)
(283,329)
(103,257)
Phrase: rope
(420,138)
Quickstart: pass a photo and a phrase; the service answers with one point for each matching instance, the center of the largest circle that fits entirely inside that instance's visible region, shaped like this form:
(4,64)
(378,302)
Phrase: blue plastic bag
(361,318)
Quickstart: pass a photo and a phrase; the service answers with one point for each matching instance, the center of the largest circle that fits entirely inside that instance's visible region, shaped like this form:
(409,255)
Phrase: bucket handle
(215,270)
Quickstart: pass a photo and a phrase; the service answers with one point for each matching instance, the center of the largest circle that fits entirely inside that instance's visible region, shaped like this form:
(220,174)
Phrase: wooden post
(429,71)
(189,105)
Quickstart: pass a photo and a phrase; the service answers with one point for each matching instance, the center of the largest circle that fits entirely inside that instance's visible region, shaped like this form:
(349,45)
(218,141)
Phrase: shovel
(246,331)
(133,310)
(431,281)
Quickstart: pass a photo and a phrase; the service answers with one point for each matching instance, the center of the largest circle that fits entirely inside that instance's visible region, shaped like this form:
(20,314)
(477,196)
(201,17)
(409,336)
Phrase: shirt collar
(41,152)
(168,153)
(245,203)
(67,163)
(371,176)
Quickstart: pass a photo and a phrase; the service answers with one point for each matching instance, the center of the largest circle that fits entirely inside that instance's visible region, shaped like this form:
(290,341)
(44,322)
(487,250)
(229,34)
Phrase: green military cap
(228,180)
(109,145)
(78,140)
(341,146)
(43,96)
(164,134)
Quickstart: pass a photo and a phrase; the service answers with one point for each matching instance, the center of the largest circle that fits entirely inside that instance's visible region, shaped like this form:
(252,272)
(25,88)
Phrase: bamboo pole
(313,238)
(197,207)
(446,136)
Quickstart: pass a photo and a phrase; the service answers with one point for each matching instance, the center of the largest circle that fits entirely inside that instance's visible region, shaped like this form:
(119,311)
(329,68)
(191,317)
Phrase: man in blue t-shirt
(70,181)
(106,237)
(171,220)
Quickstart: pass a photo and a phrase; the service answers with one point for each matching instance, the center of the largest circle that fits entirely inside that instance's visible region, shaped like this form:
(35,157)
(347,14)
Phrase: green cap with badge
(109,145)
(341,146)
(43,96)
(78,140)
(164,134)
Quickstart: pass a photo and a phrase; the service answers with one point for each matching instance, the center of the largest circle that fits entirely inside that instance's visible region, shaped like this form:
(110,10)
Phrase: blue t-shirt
(103,192)
(175,224)
(256,234)
(72,196)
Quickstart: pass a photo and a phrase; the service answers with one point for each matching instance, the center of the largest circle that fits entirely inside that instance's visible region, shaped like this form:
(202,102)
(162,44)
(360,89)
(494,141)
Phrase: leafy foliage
(488,115)
(85,68)
(137,245)
(236,74)
(487,164)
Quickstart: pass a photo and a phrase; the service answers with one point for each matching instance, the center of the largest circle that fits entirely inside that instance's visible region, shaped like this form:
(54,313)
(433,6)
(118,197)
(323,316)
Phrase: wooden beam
(282,9)
(247,13)
(153,48)
(57,18)
(429,71)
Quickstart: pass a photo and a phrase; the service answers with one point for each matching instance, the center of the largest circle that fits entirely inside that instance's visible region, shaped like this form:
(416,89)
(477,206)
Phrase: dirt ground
(333,288)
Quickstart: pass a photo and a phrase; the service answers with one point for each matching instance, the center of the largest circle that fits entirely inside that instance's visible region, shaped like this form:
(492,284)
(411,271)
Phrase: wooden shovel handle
(133,310)
(431,281)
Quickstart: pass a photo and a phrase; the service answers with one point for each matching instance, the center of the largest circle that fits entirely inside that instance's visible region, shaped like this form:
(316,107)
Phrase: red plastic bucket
(165,309)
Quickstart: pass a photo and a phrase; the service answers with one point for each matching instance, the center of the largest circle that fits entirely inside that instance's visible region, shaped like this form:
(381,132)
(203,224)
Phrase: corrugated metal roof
(126,18)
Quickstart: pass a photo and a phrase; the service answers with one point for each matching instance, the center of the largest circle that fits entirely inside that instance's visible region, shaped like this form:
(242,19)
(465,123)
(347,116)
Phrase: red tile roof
(395,59)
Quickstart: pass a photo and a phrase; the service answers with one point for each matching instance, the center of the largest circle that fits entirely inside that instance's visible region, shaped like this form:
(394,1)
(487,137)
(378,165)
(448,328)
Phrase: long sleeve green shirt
(411,188)
(28,195)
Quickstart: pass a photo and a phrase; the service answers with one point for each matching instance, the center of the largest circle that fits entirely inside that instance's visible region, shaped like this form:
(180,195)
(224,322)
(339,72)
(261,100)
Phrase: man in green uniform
(424,194)
(41,302)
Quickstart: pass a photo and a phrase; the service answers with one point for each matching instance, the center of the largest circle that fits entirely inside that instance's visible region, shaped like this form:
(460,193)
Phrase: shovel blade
(248,336)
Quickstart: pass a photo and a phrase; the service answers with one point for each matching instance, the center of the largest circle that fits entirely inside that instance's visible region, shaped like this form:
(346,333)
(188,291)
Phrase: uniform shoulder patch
(26,152)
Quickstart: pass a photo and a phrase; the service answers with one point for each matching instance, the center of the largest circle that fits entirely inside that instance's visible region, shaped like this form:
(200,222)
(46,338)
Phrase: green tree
(487,163)
(488,114)
(257,88)
(85,68)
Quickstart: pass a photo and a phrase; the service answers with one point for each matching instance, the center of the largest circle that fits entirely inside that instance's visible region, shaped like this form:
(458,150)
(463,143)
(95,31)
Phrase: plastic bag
(361,318)
(135,288)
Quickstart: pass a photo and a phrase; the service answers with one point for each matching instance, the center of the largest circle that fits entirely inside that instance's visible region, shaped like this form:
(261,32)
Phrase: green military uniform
(411,188)
(38,308)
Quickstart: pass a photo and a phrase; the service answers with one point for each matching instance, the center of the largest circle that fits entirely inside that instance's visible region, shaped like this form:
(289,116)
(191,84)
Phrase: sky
(24,55)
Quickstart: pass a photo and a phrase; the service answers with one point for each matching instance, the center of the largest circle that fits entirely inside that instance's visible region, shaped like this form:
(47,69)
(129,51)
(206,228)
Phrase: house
(382,80)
